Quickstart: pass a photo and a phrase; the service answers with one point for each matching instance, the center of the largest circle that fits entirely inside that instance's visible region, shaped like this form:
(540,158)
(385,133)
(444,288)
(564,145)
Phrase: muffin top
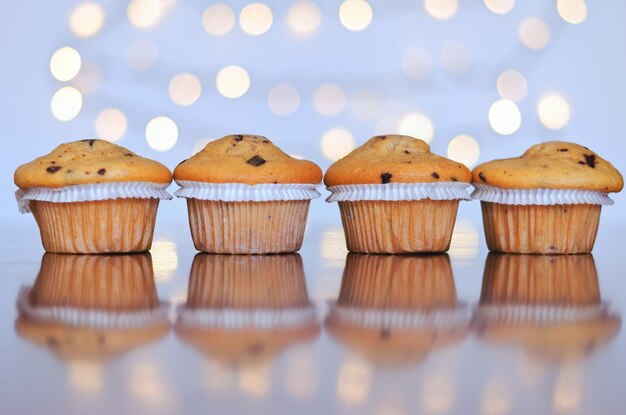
(552,165)
(249,159)
(89,162)
(394,159)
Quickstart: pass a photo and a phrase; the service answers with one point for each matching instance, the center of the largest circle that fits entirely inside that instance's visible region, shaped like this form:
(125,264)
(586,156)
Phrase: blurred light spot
(300,374)
(465,239)
(355,15)
(441,9)
(146,384)
(512,85)
(336,143)
(333,247)
(387,125)
(218,19)
(437,394)
(65,63)
(111,124)
(89,77)
(232,81)
(464,149)
(162,134)
(500,6)
(66,103)
(568,390)
(144,13)
(217,377)
(142,55)
(534,33)
(417,125)
(185,89)
(495,398)
(164,255)
(255,19)
(304,16)
(329,99)
(572,11)
(456,58)
(255,380)
(200,144)
(85,376)
(283,99)
(504,117)
(418,64)
(367,102)
(87,19)
(553,111)
(353,382)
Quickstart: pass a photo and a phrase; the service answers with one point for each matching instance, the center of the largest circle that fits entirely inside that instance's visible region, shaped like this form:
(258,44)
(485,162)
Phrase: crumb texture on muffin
(394,159)
(89,162)
(248,159)
(552,165)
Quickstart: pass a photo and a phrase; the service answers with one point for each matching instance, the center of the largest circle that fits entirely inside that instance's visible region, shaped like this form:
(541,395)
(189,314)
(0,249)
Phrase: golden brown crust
(552,165)
(89,162)
(394,159)
(248,159)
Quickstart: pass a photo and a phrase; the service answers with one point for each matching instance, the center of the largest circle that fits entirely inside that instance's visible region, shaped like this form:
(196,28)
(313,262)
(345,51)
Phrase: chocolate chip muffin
(548,201)
(245,196)
(395,196)
(92,196)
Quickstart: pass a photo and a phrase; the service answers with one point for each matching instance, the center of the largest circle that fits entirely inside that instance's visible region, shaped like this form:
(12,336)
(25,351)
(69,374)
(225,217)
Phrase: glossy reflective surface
(320,331)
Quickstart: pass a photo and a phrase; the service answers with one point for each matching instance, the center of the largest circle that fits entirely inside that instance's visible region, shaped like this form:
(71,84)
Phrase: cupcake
(245,196)
(549,304)
(92,307)
(395,196)
(547,201)
(244,310)
(397,309)
(93,197)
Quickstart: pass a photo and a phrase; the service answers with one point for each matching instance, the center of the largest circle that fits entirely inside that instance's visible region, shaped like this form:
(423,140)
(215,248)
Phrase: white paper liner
(238,319)
(96,319)
(402,319)
(542,197)
(539,314)
(399,191)
(92,192)
(241,192)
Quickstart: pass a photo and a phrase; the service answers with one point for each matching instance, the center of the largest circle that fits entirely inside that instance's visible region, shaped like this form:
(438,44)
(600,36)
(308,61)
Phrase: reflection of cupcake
(94,307)
(92,196)
(396,196)
(245,196)
(246,309)
(396,309)
(547,201)
(548,304)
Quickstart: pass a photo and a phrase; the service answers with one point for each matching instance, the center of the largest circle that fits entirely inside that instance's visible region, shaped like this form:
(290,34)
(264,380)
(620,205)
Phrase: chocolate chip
(102,172)
(238,137)
(582,163)
(591,160)
(407,152)
(53,162)
(385,333)
(563,149)
(89,141)
(435,175)
(386,177)
(266,141)
(454,179)
(482,177)
(382,137)
(128,155)
(256,161)
(53,169)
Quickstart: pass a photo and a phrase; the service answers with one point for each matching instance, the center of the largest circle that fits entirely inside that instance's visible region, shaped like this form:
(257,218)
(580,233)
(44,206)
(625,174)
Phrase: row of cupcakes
(246,196)
(246,309)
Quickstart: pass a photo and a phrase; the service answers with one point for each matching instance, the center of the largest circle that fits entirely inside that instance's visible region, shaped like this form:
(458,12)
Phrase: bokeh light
(355,15)
(553,111)
(572,11)
(144,14)
(255,19)
(367,102)
(337,143)
(500,6)
(161,133)
(87,19)
(464,149)
(283,99)
(512,85)
(89,77)
(456,58)
(418,64)
(184,89)
(417,125)
(437,395)
(65,63)
(353,381)
(66,103)
(164,257)
(504,117)
(329,99)
(200,144)
(304,16)
(232,81)
(218,19)
(441,9)
(111,124)
(142,55)
(534,33)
